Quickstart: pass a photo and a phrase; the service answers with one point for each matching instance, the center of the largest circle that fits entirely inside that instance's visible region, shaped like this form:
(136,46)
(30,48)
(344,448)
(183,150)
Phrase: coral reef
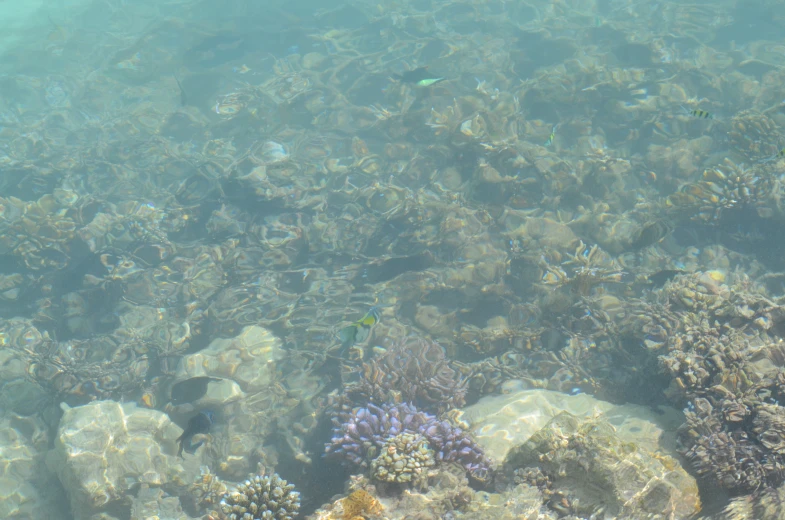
(448,495)
(206,491)
(581,197)
(413,370)
(721,450)
(765,504)
(403,458)
(262,498)
(361,436)
(590,470)
(358,504)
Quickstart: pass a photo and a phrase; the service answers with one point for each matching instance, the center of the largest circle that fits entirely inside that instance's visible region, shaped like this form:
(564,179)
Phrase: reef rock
(105,449)
(592,469)
(23,475)
(502,422)
(447,495)
(248,359)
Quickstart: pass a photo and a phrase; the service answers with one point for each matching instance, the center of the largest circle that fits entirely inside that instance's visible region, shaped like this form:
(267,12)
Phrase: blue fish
(199,423)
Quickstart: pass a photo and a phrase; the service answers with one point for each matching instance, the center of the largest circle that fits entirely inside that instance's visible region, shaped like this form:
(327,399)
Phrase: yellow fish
(359,331)
(553,135)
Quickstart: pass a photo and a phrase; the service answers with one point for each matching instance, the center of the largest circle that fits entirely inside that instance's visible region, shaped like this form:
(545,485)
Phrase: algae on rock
(586,460)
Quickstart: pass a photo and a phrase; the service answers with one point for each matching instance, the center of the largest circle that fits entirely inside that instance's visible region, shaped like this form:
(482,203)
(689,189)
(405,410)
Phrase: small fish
(359,331)
(553,135)
(190,390)
(428,82)
(651,233)
(199,423)
(419,77)
(660,278)
(57,34)
(778,155)
(148,400)
(183,95)
(700,114)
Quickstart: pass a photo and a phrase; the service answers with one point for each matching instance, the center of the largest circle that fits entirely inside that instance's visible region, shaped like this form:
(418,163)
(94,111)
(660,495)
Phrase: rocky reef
(518,210)
(104,449)
(588,469)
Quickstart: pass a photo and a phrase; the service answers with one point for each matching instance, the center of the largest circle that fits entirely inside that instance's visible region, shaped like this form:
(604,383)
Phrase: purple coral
(358,436)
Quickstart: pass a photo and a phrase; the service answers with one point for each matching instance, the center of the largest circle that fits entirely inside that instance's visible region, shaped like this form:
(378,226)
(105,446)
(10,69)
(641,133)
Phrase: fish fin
(193,447)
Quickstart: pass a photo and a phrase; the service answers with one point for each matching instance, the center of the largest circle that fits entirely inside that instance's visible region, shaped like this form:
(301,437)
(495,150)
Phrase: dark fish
(701,114)
(183,95)
(651,233)
(419,77)
(190,390)
(660,278)
(199,423)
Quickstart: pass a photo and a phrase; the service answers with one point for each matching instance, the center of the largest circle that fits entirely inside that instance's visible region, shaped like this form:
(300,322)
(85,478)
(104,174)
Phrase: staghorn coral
(359,436)
(403,458)
(415,371)
(262,497)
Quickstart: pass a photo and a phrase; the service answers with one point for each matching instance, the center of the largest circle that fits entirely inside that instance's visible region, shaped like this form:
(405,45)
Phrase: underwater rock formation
(499,423)
(251,398)
(105,449)
(262,498)
(360,436)
(591,469)
(412,371)
(248,359)
(28,491)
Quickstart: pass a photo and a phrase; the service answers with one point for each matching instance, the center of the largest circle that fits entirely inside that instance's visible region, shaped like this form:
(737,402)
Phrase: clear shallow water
(173,172)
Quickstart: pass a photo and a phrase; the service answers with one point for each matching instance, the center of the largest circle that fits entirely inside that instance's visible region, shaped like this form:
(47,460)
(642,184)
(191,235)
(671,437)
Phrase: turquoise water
(256,208)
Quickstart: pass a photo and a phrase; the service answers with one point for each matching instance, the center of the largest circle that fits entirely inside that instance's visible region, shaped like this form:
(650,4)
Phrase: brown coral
(412,371)
(359,504)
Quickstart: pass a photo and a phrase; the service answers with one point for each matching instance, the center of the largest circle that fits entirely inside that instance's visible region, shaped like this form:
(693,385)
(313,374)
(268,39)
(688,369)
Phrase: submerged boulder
(105,450)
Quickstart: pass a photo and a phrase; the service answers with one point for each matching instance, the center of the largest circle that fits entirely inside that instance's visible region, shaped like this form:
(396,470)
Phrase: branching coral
(262,497)
(403,458)
(359,437)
